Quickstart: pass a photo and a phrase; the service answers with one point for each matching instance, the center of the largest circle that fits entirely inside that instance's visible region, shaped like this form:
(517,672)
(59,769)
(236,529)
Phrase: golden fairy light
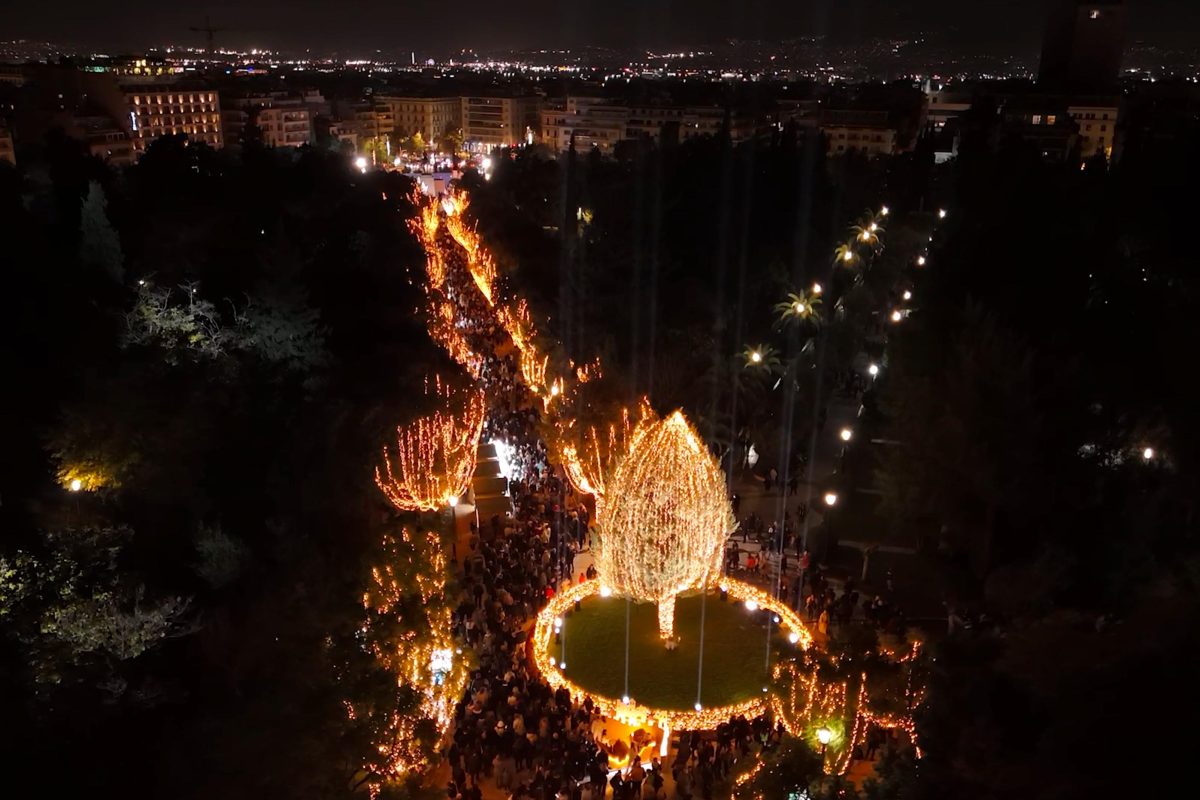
(479,261)
(631,712)
(420,653)
(589,455)
(449,240)
(666,518)
(444,313)
(434,456)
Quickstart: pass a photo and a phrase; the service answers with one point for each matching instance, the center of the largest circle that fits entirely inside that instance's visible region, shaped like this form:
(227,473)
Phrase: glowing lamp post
(831,499)
(824,736)
(75,485)
(846,434)
(873,370)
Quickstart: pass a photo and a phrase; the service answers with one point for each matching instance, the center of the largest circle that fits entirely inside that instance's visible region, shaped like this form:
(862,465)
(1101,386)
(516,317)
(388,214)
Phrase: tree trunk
(666,617)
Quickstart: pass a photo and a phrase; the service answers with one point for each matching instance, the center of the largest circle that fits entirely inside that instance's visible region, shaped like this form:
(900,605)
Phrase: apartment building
(428,116)
(155,110)
(285,125)
(593,122)
(491,122)
(284,120)
(1097,121)
(600,123)
(944,105)
(7,152)
(105,139)
(869,133)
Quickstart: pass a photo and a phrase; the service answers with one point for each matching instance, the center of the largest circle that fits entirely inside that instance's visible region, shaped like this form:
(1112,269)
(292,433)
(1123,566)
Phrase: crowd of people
(537,743)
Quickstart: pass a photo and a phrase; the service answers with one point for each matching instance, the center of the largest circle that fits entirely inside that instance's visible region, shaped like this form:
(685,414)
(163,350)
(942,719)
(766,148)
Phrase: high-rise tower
(1082,48)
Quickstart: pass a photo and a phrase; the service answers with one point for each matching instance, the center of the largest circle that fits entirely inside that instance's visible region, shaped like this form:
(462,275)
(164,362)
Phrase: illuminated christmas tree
(666,518)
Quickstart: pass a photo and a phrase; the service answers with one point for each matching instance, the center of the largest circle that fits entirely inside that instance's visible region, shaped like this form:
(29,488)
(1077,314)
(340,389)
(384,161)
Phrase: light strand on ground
(634,713)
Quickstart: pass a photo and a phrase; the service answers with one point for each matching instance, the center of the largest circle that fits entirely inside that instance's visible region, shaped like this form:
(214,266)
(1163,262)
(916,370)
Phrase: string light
(666,518)
(434,456)
(479,261)
(589,459)
(627,709)
(422,656)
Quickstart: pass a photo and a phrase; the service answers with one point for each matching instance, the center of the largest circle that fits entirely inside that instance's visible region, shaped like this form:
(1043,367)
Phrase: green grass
(734,652)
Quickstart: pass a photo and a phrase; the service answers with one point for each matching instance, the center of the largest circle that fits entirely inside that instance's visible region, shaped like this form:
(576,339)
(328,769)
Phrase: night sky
(394,25)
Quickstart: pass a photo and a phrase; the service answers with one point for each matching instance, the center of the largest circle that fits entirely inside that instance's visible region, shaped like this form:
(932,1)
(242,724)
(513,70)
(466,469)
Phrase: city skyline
(1014,26)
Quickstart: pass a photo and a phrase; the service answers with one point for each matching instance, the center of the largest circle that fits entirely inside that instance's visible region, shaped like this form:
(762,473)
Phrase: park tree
(99,245)
(451,139)
(77,616)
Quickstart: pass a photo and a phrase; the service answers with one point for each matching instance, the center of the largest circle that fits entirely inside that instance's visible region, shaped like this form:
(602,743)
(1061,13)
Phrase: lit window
(1095,13)
(1050,119)
(1037,119)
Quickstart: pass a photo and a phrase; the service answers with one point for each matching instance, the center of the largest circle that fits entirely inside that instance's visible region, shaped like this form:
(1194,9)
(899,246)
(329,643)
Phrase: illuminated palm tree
(760,357)
(799,307)
(846,255)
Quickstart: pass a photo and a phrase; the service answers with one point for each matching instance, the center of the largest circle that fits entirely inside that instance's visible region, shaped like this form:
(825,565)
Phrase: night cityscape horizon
(646,401)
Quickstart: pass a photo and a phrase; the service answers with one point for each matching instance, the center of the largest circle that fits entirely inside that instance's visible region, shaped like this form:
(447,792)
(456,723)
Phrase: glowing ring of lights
(632,713)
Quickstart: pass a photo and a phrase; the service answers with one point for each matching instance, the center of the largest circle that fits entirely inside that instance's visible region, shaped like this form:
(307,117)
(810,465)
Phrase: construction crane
(208,30)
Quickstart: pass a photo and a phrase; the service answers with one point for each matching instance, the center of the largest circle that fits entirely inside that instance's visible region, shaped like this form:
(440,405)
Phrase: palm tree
(799,307)
(761,357)
(846,255)
(868,229)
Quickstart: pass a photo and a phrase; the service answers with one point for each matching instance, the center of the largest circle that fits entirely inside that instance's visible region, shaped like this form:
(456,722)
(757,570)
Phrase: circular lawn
(735,642)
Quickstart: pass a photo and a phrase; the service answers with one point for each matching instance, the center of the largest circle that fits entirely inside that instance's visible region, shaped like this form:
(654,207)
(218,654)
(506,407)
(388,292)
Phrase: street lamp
(816,288)
(824,736)
(883,212)
(76,484)
(1147,455)
(920,261)
(361,163)
(897,316)
(831,499)
(941,213)
(907,295)
(846,434)
(873,370)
